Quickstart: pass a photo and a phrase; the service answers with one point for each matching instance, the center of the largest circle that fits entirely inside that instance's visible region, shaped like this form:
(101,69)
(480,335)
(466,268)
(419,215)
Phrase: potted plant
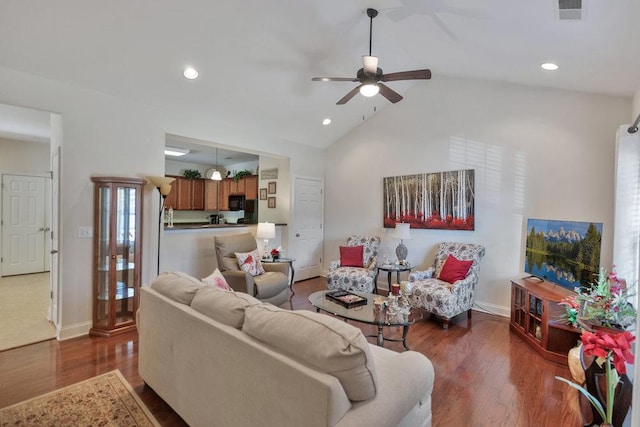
(191,174)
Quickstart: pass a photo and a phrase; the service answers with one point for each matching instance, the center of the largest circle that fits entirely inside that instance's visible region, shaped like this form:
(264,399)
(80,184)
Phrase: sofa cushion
(177,286)
(249,262)
(454,269)
(351,256)
(328,344)
(216,279)
(226,307)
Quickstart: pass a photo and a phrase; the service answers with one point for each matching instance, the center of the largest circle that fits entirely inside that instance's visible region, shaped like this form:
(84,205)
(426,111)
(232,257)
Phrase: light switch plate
(85,232)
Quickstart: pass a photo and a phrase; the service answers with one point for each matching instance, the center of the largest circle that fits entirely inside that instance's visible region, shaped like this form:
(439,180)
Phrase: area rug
(105,400)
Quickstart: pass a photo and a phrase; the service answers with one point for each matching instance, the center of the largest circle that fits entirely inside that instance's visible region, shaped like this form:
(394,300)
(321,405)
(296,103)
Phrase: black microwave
(236,203)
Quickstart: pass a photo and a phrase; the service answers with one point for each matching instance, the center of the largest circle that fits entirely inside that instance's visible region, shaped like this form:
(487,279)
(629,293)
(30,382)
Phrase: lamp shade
(369,90)
(266,230)
(162,183)
(402,231)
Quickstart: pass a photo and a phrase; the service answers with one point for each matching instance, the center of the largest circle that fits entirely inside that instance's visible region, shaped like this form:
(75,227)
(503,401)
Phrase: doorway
(308,226)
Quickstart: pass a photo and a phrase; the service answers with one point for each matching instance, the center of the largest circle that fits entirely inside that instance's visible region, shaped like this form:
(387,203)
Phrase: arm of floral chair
(421,275)
(467,282)
(334,264)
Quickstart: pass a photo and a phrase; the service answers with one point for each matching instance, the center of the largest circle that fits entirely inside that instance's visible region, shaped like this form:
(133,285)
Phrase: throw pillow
(325,342)
(351,256)
(178,286)
(249,262)
(454,269)
(217,280)
(223,306)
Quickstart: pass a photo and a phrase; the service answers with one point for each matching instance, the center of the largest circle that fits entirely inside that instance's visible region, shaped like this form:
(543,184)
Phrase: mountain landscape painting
(563,252)
(441,200)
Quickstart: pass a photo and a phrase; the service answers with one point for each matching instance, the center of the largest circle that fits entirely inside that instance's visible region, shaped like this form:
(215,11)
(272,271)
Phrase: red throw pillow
(454,269)
(351,256)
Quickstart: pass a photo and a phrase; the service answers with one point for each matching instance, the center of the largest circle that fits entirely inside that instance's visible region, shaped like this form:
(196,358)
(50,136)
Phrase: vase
(596,384)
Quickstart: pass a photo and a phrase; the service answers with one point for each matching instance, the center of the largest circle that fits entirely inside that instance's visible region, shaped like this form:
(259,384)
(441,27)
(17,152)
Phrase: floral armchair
(447,300)
(360,279)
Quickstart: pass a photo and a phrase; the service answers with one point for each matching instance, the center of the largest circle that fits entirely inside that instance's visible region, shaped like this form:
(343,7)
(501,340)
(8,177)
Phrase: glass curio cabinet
(117,248)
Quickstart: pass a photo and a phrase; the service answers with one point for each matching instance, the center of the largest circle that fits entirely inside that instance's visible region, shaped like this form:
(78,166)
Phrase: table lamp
(266,231)
(402,232)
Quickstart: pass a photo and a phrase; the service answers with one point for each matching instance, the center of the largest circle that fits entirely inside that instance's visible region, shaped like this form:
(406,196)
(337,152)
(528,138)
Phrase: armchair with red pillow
(356,268)
(447,289)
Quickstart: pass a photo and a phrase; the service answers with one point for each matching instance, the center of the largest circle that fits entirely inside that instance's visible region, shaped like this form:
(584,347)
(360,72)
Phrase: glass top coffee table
(368,314)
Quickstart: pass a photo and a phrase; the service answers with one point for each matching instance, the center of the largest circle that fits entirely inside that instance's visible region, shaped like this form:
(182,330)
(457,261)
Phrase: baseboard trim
(487,307)
(74,331)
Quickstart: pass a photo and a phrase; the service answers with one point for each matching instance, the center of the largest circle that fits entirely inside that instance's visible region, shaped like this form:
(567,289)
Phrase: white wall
(23,156)
(281,213)
(636,105)
(536,153)
(104,135)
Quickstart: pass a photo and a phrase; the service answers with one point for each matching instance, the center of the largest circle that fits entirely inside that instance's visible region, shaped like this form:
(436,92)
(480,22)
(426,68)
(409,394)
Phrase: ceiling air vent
(570,10)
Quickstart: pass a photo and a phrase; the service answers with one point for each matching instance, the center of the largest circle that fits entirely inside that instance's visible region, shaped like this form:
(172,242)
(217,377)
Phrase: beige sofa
(223,358)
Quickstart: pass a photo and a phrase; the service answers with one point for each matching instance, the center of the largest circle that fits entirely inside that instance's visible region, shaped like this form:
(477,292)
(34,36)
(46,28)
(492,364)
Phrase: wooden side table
(390,268)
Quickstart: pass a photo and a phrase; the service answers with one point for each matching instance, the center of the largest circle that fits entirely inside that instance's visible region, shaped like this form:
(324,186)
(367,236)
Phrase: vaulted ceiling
(256,58)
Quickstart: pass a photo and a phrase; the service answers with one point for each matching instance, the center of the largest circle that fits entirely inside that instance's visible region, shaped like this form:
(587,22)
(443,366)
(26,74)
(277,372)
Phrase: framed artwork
(441,200)
(263,194)
(269,174)
(271,202)
(272,187)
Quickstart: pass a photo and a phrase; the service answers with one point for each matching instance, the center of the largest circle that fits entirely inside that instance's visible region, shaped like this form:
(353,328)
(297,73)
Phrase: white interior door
(308,215)
(23,228)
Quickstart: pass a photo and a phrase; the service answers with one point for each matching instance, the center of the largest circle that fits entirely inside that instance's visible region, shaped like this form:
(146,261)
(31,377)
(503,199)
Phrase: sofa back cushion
(226,307)
(177,286)
(227,246)
(322,341)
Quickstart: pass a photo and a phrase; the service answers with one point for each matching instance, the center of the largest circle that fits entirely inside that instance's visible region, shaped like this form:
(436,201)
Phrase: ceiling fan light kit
(370,76)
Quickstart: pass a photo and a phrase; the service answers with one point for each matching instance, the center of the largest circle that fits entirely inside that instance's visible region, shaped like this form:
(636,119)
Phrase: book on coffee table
(346,298)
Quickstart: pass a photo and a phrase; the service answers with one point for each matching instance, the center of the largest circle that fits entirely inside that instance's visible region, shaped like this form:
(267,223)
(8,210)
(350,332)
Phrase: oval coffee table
(367,314)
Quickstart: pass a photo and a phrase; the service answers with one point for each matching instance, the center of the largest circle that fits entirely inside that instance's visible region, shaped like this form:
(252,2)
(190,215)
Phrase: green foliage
(191,174)
(241,174)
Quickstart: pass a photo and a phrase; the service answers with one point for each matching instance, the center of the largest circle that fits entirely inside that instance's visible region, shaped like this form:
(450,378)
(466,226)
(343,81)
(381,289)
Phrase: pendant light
(216,176)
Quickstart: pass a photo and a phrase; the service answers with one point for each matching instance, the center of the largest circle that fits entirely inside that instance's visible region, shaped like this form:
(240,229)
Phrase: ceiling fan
(370,75)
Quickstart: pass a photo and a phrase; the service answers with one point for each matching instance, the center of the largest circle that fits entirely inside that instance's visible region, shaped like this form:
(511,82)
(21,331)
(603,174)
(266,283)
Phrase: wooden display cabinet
(536,317)
(117,251)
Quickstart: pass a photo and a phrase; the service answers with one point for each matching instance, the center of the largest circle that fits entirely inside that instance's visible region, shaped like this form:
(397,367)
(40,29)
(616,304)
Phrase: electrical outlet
(85,232)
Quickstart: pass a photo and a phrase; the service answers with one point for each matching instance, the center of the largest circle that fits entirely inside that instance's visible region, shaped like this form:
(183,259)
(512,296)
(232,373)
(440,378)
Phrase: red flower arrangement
(609,349)
(275,253)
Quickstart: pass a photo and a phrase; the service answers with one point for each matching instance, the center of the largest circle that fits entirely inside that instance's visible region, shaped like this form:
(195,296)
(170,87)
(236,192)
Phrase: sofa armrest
(467,282)
(280,267)
(240,281)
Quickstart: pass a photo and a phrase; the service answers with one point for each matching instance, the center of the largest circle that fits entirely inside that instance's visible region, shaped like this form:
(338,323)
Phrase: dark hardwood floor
(485,376)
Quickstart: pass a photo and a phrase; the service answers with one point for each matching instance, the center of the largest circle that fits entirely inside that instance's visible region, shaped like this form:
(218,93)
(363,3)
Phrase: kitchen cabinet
(223,195)
(117,253)
(251,187)
(211,195)
(186,194)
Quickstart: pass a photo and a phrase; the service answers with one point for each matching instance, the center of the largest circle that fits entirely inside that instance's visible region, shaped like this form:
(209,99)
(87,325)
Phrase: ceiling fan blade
(407,75)
(348,96)
(389,93)
(334,79)
(370,64)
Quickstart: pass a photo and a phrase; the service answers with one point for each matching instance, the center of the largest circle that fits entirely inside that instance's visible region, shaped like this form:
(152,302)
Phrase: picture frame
(269,174)
(271,202)
(271,188)
(263,194)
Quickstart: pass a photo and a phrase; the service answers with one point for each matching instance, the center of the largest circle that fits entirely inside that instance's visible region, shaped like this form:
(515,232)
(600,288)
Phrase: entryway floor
(24,302)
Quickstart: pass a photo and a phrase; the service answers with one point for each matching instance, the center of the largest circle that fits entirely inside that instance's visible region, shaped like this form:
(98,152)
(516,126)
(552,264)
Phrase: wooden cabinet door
(251,187)
(241,185)
(172,199)
(184,194)
(223,195)
(211,195)
(197,194)
(233,186)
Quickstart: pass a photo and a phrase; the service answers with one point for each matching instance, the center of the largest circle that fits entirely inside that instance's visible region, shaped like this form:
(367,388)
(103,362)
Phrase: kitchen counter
(197,226)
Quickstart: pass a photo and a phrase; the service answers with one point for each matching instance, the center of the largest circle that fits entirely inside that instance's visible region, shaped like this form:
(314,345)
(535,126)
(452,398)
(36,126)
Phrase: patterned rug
(105,400)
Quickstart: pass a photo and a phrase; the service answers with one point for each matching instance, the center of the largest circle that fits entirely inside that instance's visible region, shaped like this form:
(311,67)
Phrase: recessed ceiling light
(549,66)
(173,151)
(326,121)
(190,73)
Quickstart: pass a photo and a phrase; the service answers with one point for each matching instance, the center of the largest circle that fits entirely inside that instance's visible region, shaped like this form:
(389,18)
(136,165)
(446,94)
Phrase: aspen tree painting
(442,200)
